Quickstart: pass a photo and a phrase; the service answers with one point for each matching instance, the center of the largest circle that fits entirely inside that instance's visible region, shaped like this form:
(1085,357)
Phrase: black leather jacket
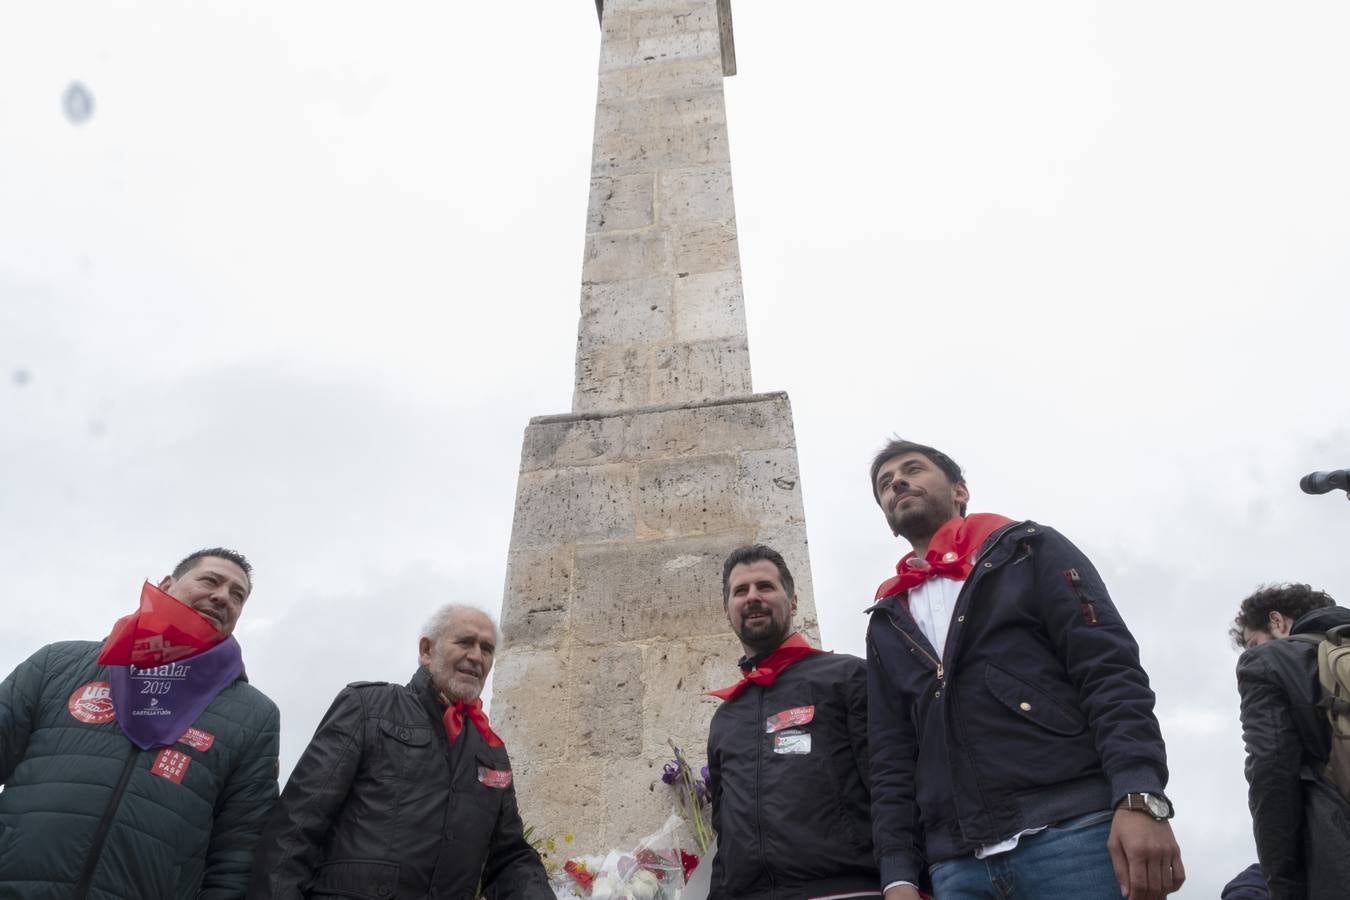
(790,804)
(1302,824)
(381,807)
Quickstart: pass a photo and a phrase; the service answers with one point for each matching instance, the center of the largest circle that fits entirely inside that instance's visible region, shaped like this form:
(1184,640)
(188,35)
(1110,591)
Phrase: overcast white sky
(302,279)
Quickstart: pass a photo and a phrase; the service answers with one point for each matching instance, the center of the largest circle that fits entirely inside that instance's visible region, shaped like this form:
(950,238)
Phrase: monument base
(613,619)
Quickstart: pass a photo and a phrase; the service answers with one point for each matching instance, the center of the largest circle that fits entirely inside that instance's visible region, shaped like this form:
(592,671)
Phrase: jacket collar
(1320,621)
(891,602)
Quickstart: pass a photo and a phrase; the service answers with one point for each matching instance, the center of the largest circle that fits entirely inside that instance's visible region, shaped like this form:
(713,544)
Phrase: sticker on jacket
(793,741)
(198,739)
(92,703)
(171,764)
(494,778)
(798,715)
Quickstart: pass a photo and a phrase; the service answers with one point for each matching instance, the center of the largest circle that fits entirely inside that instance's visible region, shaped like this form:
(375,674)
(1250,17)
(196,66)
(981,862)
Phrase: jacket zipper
(759,820)
(988,548)
(937,663)
(105,825)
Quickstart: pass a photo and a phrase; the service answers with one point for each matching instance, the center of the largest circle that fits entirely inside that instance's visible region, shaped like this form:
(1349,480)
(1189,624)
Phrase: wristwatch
(1156,805)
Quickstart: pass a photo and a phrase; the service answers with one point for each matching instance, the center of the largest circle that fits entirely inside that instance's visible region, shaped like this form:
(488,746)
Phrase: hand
(1145,856)
(903,892)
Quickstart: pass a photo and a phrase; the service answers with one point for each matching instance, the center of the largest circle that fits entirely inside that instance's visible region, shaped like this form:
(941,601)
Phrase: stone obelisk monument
(627,506)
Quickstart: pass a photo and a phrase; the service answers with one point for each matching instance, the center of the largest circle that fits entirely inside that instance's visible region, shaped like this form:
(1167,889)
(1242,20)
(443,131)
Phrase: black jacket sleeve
(716,889)
(893,754)
(293,840)
(1275,792)
(1101,659)
(513,870)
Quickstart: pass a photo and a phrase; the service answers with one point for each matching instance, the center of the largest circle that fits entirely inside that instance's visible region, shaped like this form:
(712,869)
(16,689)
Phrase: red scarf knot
(951,553)
(455,714)
(770,667)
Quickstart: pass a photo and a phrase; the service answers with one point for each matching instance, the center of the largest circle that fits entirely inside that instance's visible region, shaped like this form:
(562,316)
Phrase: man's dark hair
(233,556)
(755,553)
(1292,600)
(899,447)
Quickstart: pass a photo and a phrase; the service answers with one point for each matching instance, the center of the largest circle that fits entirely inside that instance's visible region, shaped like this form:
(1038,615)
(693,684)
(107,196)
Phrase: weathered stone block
(692,112)
(701,371)
(530,699)
(634,800)
(651,79)
(607,701)
(678,675)
(759,424)
(768,489)
(614,26)
(709,306)
(696,195)
(687,496)
(661,47)
(611,378)
(658,149)
(618,314)
(620,203)
(557,799)
(538,590)
(682,18)
(575,442)
(706,248)
(562,506)
(616,257)
(653,589)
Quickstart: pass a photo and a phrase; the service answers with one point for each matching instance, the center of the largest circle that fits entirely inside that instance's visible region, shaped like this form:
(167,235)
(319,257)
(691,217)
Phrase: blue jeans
(1067,861)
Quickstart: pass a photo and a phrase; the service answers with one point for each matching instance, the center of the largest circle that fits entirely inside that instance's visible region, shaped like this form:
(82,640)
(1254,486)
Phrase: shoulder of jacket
(71,648)
(832,660)
(369,684)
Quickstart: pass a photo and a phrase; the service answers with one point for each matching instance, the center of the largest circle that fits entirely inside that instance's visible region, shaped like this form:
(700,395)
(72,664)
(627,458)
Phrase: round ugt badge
(92,703)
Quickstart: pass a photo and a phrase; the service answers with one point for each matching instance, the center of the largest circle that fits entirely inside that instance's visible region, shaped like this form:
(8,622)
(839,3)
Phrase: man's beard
(765,636)
(920,521)
(454,685)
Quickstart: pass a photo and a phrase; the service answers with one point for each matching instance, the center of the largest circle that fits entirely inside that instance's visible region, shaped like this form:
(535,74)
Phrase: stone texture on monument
(625,508)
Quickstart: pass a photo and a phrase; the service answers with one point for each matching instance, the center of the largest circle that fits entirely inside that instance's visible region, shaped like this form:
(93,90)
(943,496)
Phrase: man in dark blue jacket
(1014,749)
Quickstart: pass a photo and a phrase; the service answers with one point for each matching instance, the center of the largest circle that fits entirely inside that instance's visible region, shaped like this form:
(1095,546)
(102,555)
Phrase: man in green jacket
(142,766)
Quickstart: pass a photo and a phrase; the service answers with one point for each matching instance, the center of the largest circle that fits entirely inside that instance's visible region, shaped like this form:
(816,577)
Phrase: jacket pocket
(1028,702)
(412,735)
(371,879)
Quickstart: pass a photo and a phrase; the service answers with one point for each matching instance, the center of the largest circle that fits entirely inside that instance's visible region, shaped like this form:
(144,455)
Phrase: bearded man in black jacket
(1301,822)
(405,791)
(787,752)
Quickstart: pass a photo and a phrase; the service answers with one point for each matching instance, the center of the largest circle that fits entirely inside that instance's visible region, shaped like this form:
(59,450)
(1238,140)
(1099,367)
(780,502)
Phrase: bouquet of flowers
(654,870)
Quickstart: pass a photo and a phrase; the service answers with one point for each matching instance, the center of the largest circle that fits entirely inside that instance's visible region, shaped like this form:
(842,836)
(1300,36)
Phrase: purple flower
(704,773)
(670,773)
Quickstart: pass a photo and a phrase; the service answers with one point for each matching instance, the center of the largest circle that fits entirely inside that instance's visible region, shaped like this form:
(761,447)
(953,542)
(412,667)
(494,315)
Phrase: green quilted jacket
(86,814)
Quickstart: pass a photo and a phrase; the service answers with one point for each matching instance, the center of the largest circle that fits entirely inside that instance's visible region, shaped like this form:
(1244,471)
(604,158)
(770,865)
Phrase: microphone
(1322,482)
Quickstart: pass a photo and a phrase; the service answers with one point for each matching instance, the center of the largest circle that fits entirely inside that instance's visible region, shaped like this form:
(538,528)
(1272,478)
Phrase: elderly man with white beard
(405,791)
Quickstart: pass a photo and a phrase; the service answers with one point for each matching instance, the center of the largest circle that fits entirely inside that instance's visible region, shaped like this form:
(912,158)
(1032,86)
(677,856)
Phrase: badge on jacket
(798,715)
(793,740)
(494,778)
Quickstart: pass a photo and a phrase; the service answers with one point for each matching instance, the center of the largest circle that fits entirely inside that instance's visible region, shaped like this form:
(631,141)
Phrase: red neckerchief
(951,553)
(162,630)
(455,714)
(788,652)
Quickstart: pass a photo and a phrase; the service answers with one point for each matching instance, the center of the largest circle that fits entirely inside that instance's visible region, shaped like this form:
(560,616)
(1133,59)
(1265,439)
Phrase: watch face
(1157,806)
